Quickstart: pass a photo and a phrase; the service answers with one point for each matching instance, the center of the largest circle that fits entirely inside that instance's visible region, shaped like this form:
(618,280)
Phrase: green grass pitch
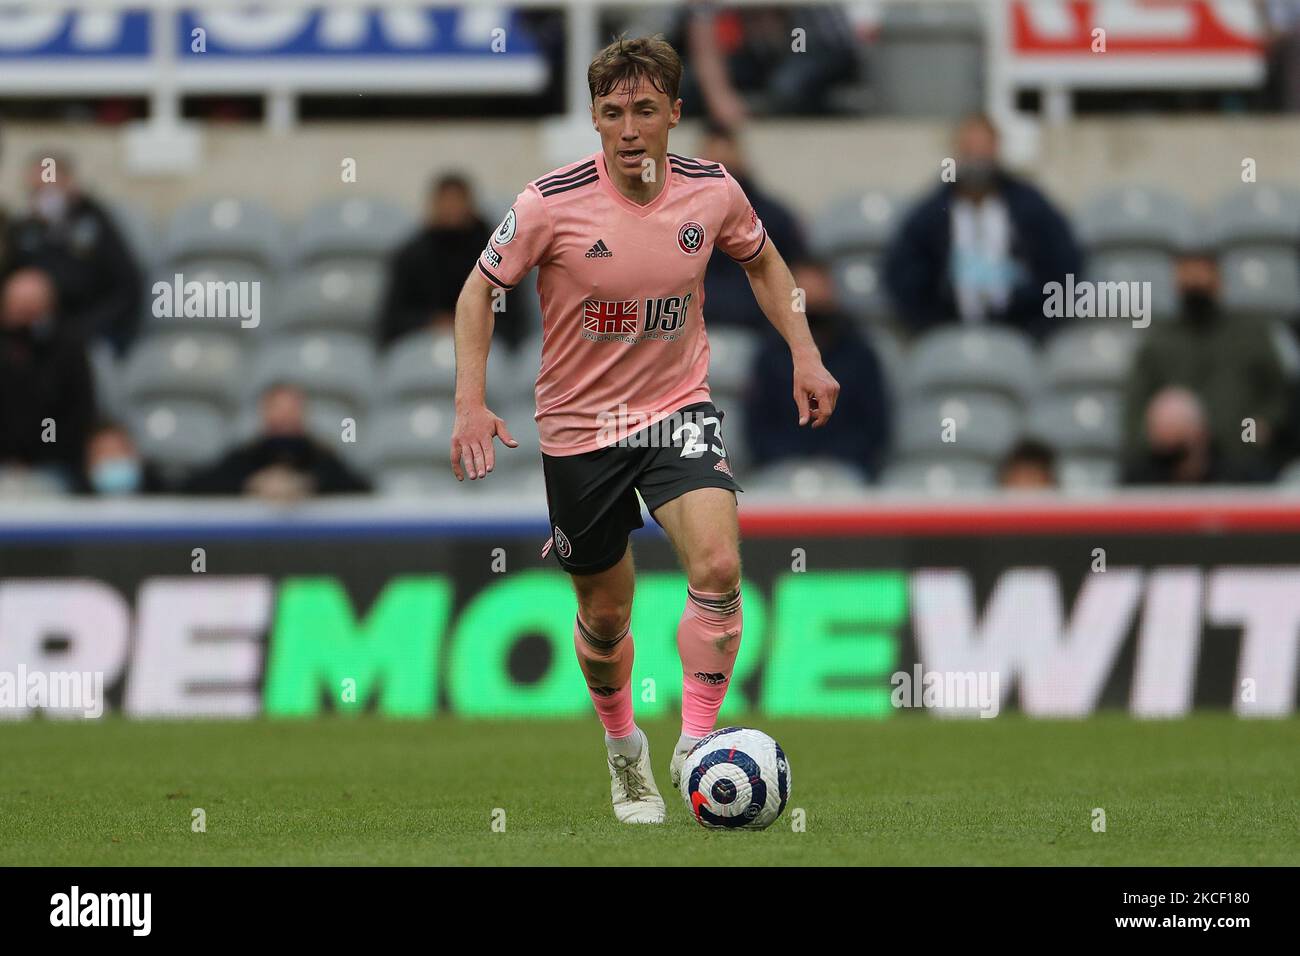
(1208,790)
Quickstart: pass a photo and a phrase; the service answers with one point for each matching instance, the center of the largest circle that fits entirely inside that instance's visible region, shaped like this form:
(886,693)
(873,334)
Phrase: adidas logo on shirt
(599,251)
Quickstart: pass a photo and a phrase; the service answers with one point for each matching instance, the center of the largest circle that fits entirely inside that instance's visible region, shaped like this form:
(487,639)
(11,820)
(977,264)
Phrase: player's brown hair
(625,61)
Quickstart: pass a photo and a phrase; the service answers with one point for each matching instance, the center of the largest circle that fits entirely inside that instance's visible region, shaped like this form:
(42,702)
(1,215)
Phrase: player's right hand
(471,440)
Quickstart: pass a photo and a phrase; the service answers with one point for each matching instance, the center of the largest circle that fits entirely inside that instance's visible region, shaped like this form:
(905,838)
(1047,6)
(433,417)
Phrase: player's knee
(605,617)
(717,571)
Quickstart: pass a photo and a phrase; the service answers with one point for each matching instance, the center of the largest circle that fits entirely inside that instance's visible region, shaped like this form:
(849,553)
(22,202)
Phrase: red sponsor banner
(1146,42)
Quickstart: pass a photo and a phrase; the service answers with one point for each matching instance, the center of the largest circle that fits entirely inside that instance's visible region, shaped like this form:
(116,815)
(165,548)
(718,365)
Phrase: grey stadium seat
(1289,476)
(183,432)
(1087,473)
(860,285)
(351,227)
(1090,355)
(1261,280)
(984,427)
(948,38)
(731,359)
(1138,265)
(222,271)
(806,480)
(1080,423)
(939,478)
(185,365)
(856,222)
(226,228)
(423,364)
(327,297)
(1258,214)
(330,367)
(990,359)
(1134,216)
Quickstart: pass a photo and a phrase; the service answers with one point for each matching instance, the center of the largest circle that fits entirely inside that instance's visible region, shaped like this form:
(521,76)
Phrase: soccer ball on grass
(736,778)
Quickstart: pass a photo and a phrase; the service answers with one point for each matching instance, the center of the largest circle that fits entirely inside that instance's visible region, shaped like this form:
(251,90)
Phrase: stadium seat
(1079,423)
(993,359)
(1257,214)
(179,432)
(1261,280)
(221,271)
(320,298)
(423,365)
(108,371)
(981,426)
(21,484)
(940,479)
(949,39)
(808,479)
(860,286)
(1289,476)
(229,229)
(1138,265)
(185,365)
(333,368)
(1090,355)
(1134,217)
(356,227)
(731,359)
(1087,473)
(860,221)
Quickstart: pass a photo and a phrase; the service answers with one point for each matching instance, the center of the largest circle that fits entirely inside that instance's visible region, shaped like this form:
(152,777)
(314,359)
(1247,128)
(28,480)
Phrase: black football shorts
(592,496)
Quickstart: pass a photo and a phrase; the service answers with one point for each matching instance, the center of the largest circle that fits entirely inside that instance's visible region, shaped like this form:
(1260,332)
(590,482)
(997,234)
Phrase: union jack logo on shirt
(610,318)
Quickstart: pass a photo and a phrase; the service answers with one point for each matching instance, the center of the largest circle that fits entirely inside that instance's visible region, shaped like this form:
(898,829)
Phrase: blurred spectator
(70,236)
(859,431)
(114,466)
(283,463)
(730,53)
(980,248)
(1281,23)
(726,285)
(428,270)
(47,391)
(1179,448)
(1029,466)
(1233,371)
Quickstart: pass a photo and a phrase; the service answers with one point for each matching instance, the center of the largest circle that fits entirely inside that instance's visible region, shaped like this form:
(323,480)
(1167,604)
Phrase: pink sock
(708,638)
(607,665)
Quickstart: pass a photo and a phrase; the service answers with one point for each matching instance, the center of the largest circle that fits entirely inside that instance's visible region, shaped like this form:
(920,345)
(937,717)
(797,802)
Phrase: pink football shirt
(621,289)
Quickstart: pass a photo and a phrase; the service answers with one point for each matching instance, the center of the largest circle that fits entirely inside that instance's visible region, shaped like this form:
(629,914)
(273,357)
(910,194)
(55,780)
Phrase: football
(736,778)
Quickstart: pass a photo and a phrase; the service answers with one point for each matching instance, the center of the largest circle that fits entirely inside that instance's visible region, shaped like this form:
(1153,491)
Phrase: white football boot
(632,785)
(679,757)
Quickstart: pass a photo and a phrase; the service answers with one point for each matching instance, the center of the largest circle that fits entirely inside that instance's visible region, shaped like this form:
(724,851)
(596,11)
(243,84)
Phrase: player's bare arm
(815,389)
(476,425)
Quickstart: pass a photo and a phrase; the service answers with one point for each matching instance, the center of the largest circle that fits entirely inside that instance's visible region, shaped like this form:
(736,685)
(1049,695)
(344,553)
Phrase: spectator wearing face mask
(859,431)
(114,466)
(283,463)
(1195,382)
(71,237)
(47,391)
(982,248)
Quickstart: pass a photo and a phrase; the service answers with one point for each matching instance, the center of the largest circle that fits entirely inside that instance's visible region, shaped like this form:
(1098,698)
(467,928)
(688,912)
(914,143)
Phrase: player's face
(633,126)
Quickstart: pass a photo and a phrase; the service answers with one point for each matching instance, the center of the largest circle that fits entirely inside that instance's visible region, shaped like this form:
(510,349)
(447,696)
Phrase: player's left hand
(815,392)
